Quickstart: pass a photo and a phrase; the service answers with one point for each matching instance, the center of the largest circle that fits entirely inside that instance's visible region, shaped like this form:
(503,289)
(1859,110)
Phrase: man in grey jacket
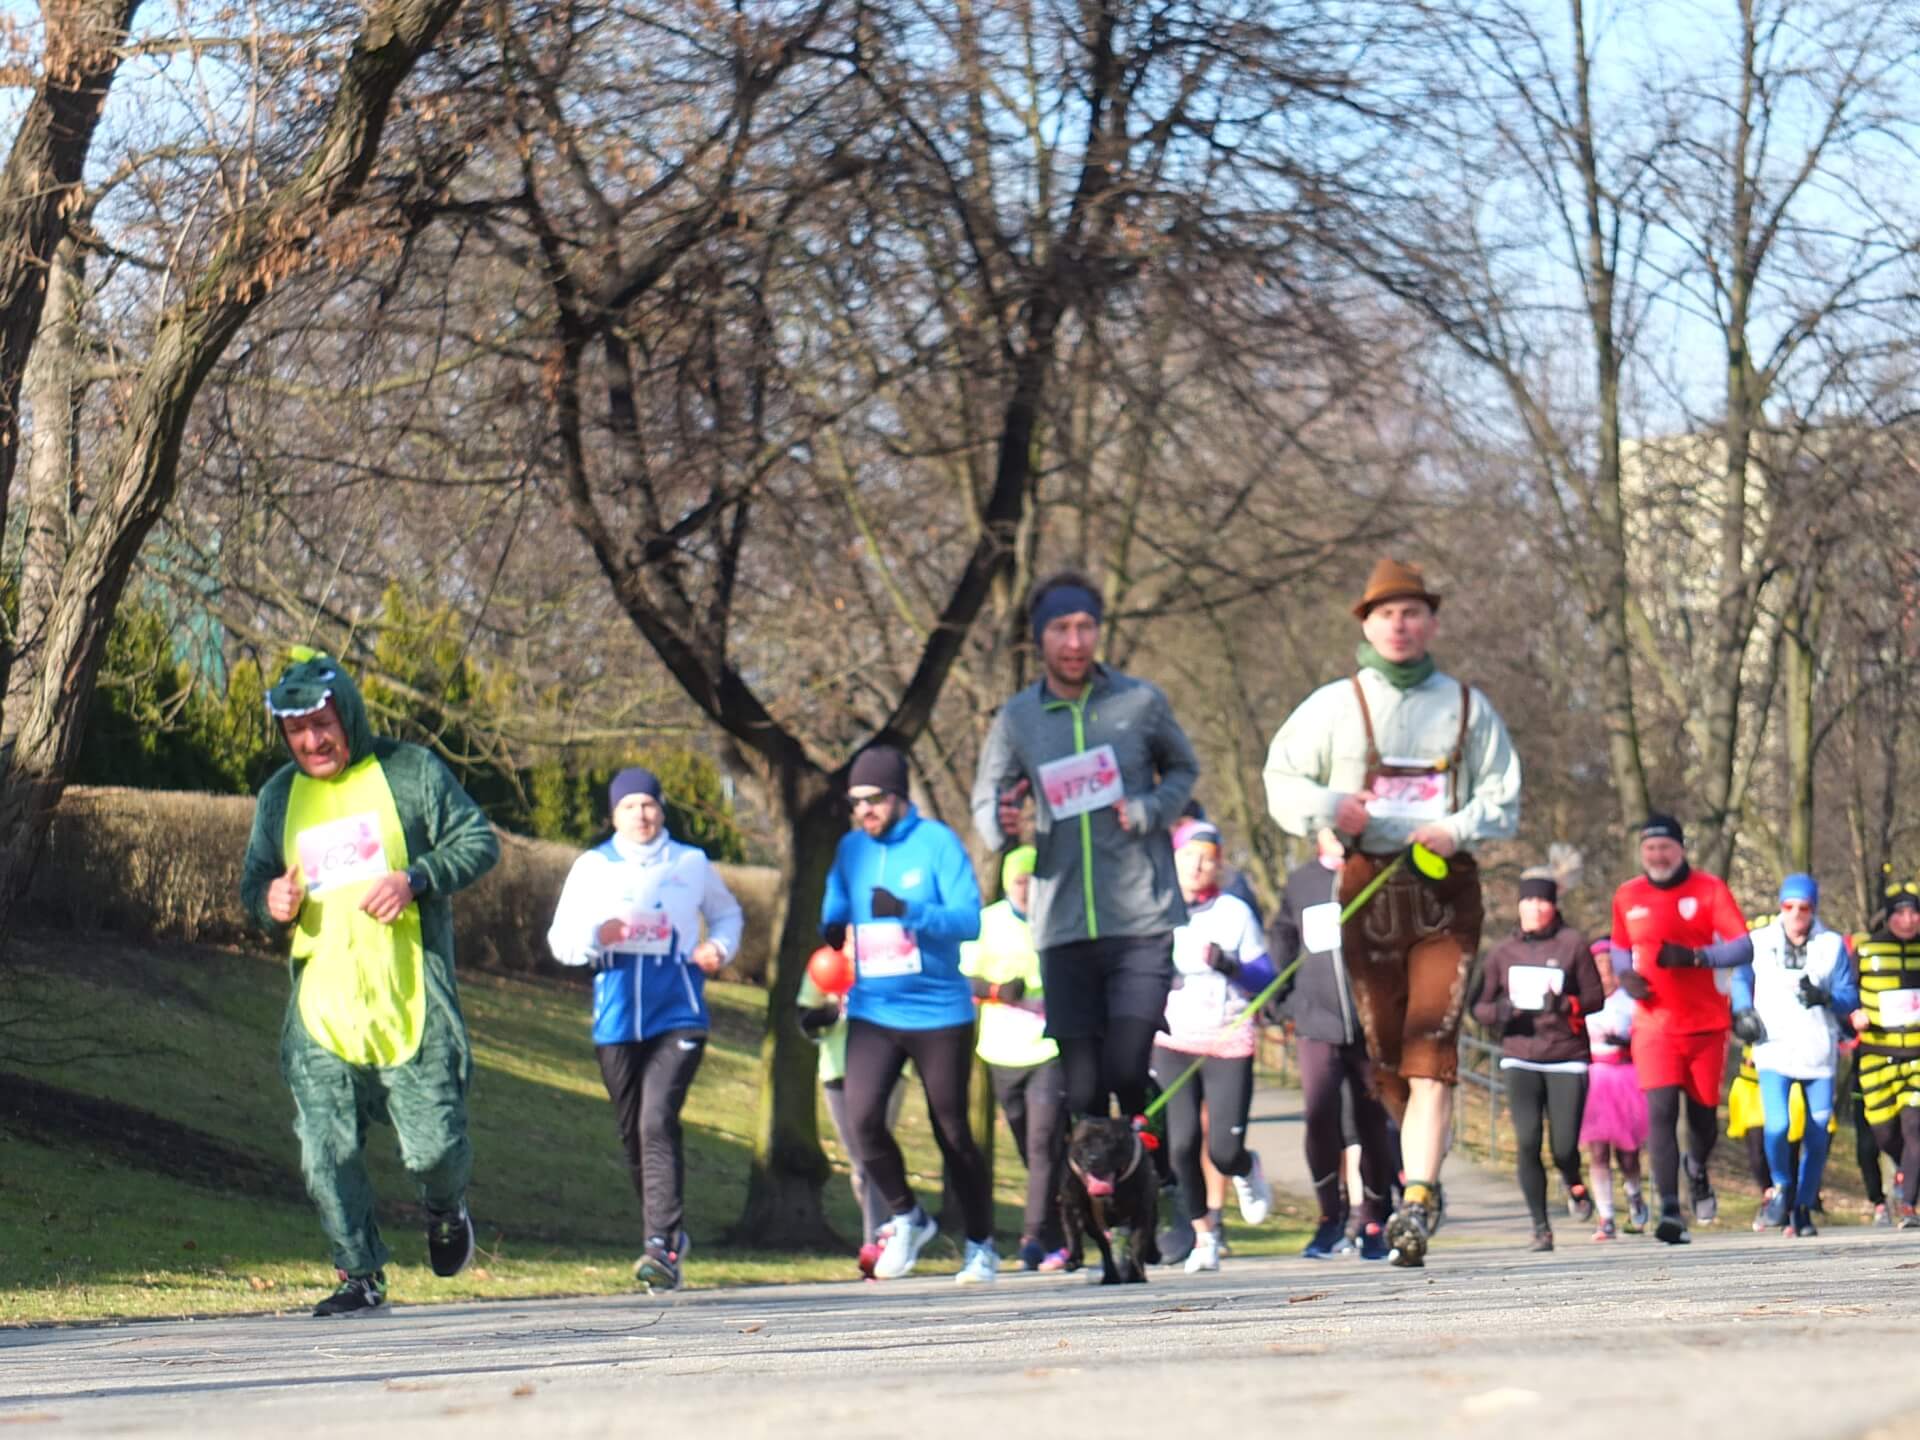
(1108,769)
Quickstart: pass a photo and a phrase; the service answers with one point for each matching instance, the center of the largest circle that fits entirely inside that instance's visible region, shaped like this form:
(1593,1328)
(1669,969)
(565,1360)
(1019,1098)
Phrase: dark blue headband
(1064,600)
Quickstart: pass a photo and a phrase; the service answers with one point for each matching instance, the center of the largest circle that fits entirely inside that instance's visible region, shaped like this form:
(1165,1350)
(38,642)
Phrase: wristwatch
(419,879)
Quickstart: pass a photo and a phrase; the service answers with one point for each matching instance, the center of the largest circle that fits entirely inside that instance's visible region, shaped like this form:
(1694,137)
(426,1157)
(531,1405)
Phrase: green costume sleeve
(460,843)
(264,863)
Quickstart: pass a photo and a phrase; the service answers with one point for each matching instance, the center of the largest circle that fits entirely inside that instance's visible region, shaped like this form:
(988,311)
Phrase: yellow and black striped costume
(1888,1066)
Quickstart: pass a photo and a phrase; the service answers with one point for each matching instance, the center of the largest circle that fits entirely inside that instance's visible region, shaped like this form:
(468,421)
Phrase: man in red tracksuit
(1681,1022)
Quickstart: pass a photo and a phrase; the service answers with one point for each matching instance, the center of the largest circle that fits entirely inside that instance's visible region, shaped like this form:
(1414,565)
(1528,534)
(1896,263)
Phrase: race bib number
(1418,796)
(1900,1008)
(883,949)
(1320,928)
(1529,985)
(342,852)
(1080,783)
(651,934)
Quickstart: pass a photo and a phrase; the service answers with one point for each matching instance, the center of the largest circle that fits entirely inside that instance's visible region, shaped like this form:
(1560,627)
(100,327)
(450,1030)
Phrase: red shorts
(1696,1061)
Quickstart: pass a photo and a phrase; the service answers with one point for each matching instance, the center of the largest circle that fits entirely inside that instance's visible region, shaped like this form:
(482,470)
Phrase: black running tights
(1115,1063)
(1900,1138)
(943,1058)
(1546,1104)
(1663,1137)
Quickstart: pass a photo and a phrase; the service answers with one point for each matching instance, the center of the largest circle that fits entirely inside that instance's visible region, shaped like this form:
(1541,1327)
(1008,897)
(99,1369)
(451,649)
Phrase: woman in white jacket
(632,908)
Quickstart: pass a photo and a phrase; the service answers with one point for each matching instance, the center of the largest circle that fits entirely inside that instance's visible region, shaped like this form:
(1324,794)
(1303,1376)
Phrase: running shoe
(1672,1229)
(1760,1215)
(869,1257)
(1882,1217)
(1580,1203)
(1206,1252)
(1909,1218)
(1054,1261)
(658,1267)
(1706,1204)
(1032,1252)
(1254,1193)
(982,1265)
(1606,1230)
(901,1241)
(1803,1223)
(1776,1213)
(1542,1238)
(354,1296)
(1638,1217)
(1410,1228)
(1329,1239)
(449,1241)
(1373,1243)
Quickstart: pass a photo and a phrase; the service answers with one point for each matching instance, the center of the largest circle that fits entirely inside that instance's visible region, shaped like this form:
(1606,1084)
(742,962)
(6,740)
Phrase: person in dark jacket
(1536,992)
(1333,1059)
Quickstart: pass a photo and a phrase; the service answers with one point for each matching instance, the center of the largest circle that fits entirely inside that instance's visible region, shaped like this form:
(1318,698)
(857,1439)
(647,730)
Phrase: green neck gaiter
(1401,677)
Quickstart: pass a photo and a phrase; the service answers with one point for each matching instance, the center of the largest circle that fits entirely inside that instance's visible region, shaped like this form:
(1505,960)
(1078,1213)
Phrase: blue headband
(1800,887)
(1064,600)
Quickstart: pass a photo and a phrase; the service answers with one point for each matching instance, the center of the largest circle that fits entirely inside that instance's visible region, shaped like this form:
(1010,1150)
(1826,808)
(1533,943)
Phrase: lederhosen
(1408,951)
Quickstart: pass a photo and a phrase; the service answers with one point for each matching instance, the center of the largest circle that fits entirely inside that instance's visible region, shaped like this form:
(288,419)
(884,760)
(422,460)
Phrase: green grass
(190,1033)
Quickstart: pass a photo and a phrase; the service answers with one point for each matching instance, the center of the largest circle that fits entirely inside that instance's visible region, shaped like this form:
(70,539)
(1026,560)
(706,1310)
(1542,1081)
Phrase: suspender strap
(1366,719)
(1459,746)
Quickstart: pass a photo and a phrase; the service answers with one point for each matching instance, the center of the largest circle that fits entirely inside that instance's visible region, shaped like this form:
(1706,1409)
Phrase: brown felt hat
(1394,580)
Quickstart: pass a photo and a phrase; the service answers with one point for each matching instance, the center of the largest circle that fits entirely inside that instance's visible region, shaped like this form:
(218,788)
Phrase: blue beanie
(1800,887)
(634,781)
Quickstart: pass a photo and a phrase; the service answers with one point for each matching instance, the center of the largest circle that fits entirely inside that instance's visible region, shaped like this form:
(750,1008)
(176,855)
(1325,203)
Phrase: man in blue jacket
(905,887)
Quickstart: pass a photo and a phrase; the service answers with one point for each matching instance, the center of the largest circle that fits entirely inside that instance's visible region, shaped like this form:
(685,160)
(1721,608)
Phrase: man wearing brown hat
(1397,754)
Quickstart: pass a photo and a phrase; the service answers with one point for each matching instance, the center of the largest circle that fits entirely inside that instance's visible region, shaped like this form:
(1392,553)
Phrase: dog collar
(1124,1175)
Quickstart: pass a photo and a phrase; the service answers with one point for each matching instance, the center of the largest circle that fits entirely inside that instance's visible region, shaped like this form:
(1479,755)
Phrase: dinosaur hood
(310,680)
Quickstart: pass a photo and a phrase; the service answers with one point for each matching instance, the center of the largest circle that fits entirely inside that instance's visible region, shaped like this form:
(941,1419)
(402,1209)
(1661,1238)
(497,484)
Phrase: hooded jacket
(1094,879)
(1555,1035)
(449,843)
(906,969)
(1319,998)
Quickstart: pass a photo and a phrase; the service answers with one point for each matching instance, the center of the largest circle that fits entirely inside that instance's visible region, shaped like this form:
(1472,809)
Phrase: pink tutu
(1616,1111)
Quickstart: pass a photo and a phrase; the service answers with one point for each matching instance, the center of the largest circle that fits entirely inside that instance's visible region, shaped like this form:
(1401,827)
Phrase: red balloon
(831,970)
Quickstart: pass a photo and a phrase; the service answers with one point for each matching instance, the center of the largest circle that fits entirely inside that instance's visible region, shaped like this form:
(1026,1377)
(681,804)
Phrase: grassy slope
(190,1034)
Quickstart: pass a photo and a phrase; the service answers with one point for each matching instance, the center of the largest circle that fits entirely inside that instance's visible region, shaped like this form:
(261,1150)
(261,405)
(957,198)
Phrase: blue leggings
(1775,1093)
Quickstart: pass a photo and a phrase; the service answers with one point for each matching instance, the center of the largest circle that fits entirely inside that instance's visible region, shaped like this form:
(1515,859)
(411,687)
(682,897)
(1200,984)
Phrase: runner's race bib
(1080,783)
(1899,1008)
(1419,793)
(1529,985)
(1320,928)
(652,934)
(884,949)
(342,852)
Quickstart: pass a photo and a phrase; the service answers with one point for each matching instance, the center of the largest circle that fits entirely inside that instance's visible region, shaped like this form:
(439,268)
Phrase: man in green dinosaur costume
(357,847)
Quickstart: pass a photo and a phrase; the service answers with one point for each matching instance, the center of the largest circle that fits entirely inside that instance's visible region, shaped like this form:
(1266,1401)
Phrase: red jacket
(1697,912)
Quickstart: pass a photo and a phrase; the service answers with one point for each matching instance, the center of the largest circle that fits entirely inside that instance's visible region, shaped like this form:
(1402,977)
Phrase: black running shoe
(354,1296)
(659,1267)
(1329,1239)
(1706,1204)
(1542,1238)
(1803,1222)
(449,1241)
(1672,1229)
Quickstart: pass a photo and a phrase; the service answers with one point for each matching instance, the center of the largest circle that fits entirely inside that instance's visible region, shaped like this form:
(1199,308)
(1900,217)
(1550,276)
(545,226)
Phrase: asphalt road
(1736,1334)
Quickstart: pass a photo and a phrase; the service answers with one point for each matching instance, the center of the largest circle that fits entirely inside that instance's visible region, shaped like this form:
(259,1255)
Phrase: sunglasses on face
(875,801)
(1795,907)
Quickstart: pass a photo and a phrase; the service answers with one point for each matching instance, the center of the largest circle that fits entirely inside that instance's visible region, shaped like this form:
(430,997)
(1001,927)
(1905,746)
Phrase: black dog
(1110,1184)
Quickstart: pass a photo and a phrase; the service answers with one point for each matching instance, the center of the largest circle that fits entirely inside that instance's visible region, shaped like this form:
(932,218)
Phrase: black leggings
(1900,1138)
(647,1080)
(1546,1105)
(1663,1137)
(1331,1076)
(1866,1149)
(943,1058)
(1034,1100)
(1225,1087)
(1115,1063)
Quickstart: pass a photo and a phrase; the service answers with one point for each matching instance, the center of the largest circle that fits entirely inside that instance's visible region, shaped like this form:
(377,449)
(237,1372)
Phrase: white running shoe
(982,1266)
(1205,1254)
(901,1241)
(1254,1193)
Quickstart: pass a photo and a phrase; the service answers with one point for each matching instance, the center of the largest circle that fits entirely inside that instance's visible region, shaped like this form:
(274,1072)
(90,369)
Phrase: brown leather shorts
(1407,953)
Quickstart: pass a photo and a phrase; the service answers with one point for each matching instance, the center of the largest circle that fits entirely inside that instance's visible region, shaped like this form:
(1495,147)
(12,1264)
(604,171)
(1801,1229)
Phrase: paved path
(1737,1335)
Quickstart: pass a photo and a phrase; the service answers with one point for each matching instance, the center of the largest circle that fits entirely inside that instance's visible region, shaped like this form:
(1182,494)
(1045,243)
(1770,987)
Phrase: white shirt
(680,883)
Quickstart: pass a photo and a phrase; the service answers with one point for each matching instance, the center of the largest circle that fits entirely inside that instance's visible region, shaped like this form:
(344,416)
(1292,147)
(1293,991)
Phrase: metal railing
(1480,1070)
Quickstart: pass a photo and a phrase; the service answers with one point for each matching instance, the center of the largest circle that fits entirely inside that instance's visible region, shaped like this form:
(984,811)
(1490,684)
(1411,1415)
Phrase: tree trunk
(1802,628)
(789,1172)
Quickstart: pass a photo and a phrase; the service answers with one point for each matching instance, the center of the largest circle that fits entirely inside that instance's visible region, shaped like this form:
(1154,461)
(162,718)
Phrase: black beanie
(882,767)
(1539,887)
(1662,827)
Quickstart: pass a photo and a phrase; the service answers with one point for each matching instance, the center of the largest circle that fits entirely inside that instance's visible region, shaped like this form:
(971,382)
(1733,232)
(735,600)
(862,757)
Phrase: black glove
(1747,1028)
(1218,959)
(1012,990)
(1635,984)
(887,905)
(1813,996)
(835,935)
(1679,957)
(820,1017)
